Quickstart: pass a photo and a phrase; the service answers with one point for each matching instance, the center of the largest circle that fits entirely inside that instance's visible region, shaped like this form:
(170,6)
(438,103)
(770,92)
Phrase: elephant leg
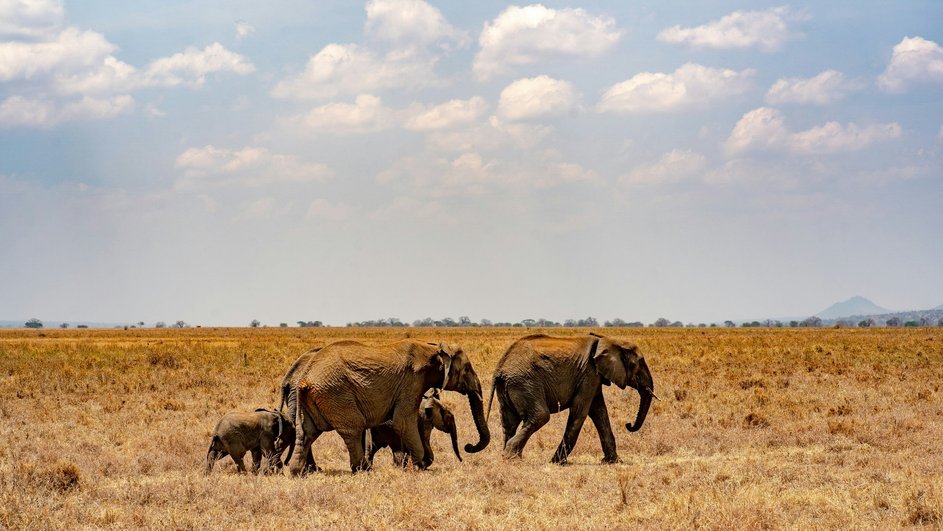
(354,441)
(534,417)
(599,414)
(256,460)
(510,420)
(574,423)
(406,426)
(240,465)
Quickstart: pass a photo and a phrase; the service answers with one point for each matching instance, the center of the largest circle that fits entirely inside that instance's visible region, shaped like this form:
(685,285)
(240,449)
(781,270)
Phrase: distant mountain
(940,307)
(853,306)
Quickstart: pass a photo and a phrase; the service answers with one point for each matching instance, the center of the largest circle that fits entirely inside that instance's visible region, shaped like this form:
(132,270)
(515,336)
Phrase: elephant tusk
(649,391)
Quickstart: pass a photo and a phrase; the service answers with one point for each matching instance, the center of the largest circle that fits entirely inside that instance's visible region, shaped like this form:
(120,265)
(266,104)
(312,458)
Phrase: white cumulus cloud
(367,114)
(690,85)
(351,69)
(191,66)
(535,97)
(765,129)
(30,18)
(447,115)
(411,23)
(825,88)
(17,111)
(244,29)
(672,167)
(525,35)
(914,60)
(250,166)
(767,30)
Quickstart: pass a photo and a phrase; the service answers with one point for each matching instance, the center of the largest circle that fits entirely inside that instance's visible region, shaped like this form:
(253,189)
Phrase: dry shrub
(840,411)
(60,476)
(752,382)
(681,395)
(163,359)
(924,509)
(755,420)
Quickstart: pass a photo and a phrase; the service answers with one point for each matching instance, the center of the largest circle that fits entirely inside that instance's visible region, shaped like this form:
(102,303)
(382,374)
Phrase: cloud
(262,207)
(350,69)
(827,87)
(672,167)
(30,18)
(470,173)
(243,29)
(767,30)
(526,35)
(690,85)
(914,60)
(191,66)
(765,129)
(321,209)
(366,115)
(450,114)
(535,97)
(493,134)
(17,111)
(211,167)
(411,24)
(71,50)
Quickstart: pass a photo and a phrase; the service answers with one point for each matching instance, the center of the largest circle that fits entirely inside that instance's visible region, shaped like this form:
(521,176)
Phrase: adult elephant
(539,375)
(350,387)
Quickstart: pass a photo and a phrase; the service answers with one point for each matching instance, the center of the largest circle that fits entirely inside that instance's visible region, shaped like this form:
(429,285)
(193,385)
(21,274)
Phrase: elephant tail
(494,386)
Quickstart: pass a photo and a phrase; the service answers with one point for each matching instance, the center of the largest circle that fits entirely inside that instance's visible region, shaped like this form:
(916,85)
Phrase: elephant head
(459,375)
(438,416)
(619,362)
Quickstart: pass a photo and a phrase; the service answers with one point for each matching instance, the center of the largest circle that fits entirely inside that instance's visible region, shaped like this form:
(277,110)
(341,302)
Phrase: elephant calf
(262,432)
(432,414)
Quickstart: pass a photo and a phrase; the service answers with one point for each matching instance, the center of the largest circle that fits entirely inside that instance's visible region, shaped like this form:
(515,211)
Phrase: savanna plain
(756,428)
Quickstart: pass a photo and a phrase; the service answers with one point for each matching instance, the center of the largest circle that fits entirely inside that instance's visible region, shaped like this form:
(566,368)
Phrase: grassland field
(756,428)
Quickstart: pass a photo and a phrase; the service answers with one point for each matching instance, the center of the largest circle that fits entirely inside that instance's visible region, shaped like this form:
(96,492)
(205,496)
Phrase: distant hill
(854,306)
(940,307)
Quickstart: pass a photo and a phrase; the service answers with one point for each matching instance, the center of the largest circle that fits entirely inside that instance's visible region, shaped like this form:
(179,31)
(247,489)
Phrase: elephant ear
(445,354)
(608,360)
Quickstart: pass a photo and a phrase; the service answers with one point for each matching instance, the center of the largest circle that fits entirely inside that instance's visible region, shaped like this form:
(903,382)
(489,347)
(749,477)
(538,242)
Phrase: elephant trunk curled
(646,401)
(481,423)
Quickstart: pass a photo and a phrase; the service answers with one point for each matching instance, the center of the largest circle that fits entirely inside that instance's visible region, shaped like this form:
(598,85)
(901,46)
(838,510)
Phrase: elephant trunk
(484,436)
(646,401)
(453,433)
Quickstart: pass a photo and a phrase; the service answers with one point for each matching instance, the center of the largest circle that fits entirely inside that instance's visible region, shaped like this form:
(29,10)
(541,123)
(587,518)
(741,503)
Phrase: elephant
(539,375)
(350,387)
(263,432)
(289,398)
(432,414)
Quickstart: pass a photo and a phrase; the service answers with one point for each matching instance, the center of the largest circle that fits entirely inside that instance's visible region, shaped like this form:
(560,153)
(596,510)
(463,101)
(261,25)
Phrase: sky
(222,161)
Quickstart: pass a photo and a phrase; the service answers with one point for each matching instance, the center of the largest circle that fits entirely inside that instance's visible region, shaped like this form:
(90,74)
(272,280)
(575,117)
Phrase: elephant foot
(611,460)
(562,461)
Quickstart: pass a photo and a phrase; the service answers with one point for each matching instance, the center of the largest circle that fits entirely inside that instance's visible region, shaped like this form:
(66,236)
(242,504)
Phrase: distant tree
(793,324)
(866,323)
(702,325)
(64,325)
(81,326)
(33,323)
(940,322)
(569,322)
(255,323)
(589,321)
(713,325)
(893,321)
(283,325)
(160,324)
(677,324)
(911,323)
(925,321)
(528,322)
(306,324)
(141,324)
(465,321)
(662,322)
(811,322)
(181,324)
(730,324)
(485,322)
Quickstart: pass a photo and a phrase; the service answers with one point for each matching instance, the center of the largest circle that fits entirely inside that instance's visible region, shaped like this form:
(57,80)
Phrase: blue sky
(218,161)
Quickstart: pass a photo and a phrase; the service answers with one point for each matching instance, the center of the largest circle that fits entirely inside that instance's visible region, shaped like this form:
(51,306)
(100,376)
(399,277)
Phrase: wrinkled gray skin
(263,432)
(540,375)
(350,387)
(289,391)
(432,414)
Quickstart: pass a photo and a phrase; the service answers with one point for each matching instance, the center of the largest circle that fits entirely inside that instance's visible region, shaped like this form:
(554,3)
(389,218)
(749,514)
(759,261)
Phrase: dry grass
(756,429)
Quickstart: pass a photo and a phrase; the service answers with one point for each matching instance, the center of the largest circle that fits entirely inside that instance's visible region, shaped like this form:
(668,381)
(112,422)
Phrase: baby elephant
(262,432)
(432,414)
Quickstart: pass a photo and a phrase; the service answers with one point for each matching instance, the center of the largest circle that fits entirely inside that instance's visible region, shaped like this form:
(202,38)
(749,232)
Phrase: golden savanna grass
(759,428)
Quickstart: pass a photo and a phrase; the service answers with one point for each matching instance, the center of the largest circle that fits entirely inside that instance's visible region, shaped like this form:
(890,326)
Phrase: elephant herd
(387,395)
